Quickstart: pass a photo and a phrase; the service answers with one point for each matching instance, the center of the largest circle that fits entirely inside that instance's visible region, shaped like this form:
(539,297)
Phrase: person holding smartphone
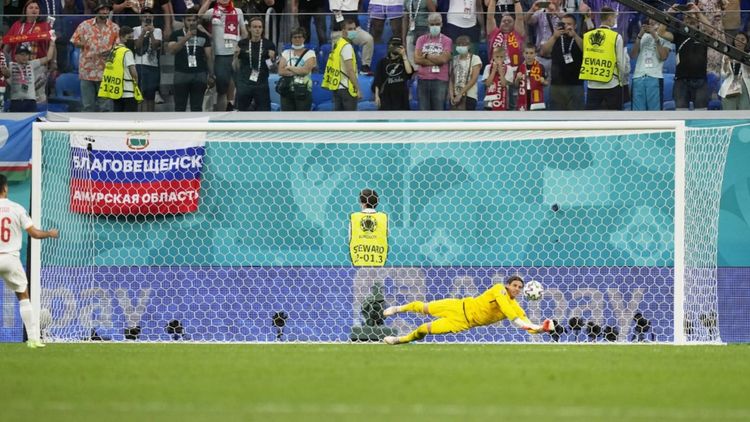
(546,18)
(565,48)
(649,51)
(148,40)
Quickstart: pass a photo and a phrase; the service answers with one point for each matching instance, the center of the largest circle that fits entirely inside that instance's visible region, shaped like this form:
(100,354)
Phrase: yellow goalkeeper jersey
(491,306)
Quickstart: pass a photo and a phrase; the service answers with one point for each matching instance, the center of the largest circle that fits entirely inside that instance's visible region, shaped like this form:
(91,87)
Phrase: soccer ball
(533,290)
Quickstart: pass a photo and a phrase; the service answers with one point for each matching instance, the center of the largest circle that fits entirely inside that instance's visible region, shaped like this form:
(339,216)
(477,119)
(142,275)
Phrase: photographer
(565,49)
(392,77)
(650,51)
(193,63)
(147,44)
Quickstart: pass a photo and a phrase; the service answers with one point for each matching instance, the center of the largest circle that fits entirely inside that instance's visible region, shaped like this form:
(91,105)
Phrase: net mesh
(264,256)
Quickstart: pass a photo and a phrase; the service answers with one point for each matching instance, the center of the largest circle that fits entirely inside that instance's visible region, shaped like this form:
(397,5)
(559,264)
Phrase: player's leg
(14,276)
(416,307)
(437,308)
(439,326)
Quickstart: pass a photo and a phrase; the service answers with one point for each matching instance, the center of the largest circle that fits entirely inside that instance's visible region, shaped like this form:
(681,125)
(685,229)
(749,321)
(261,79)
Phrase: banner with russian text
(136,173)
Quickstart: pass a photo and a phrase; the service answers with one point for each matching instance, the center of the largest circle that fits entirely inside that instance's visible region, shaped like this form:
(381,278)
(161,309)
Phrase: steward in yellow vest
(368,233)
(115,86)
(599,55)
(337,69)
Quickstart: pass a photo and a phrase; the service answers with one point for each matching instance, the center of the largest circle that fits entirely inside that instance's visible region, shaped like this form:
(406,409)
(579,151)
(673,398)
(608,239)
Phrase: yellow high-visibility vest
(599,55)
(368,246)
(113,78)
(334,71)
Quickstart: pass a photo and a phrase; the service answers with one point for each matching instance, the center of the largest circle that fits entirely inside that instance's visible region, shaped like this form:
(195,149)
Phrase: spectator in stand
(462,19)
(391,83)
(594,16)
(193,62)
(732,19)
(501,7)
(95,37)
(349,9)
(341,70)
(650,51)
(496,80)
(385,10)
(511,35)
(71,16)
(306,11)
(416,23)
(565,47)
(465,68)
(35,33)
(544,20)
(604,64)
(531,78)
(298,62)
(433,55)
(735,85)
(127,12)
(227,29)
(690,79)
(22,78)
(713,10)
(259,8)
(3,81)
(148,41)
(253,59)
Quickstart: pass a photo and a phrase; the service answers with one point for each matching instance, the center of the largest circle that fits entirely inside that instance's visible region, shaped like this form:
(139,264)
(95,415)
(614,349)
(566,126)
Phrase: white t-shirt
(127,90)
(291,60)
(648,62)
(345,5)
(150,58)
(462,73)
(13,222)
(462,13)
(347,53)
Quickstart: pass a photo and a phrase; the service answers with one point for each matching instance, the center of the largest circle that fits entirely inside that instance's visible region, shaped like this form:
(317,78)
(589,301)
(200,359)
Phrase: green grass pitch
(309,382)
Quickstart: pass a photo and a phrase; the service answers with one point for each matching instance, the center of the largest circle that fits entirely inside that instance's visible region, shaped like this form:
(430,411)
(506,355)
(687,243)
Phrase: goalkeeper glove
(548,326)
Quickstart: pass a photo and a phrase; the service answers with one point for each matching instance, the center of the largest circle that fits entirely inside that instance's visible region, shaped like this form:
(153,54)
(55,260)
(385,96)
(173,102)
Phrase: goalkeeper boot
(35,344)
(391,310)
(391,340)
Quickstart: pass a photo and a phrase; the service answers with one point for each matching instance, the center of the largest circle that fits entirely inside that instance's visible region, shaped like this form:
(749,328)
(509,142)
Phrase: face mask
(434,30)
(351,35)
(298,46)
(462,49)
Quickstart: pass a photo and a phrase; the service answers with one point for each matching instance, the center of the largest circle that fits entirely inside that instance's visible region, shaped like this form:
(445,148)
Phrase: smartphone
(542,4)
(561,25)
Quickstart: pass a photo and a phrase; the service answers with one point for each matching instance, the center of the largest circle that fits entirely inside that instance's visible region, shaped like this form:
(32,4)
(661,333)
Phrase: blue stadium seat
(273,79)
(326,106)
(378,53)
(275,107)
(67,91)
(670,65)
(74,57)
(325,51)
(367,106)
(480,94)
(668,105)
(320,95)
(668,87)
(365,85)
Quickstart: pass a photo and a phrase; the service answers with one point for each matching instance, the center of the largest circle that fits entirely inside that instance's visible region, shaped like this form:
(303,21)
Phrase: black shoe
(230,107)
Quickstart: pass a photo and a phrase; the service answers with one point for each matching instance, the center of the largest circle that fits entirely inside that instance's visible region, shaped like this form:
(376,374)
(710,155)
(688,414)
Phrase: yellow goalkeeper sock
(418,334)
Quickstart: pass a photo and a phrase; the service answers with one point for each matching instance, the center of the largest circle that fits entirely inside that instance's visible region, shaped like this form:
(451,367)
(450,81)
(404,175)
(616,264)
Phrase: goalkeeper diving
(456,315)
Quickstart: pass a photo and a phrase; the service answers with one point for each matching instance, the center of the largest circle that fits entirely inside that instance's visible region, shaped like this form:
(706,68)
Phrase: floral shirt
(97,42)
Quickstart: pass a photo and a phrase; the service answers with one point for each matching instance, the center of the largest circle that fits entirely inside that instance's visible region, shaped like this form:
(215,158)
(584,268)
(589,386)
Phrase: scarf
(530,89)
(231,20)
(496,95)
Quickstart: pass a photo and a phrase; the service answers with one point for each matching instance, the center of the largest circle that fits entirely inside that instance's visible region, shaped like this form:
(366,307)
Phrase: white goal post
(263,233)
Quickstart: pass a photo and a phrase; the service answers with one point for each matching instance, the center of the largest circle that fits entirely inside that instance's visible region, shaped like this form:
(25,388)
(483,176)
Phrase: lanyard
(562,45)
(54,7)
(187,44)
(24,71)
(23,27)
(250,53)
(413,16)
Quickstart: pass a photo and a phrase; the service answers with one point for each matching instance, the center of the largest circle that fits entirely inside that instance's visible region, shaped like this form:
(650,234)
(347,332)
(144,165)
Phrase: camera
(561,25)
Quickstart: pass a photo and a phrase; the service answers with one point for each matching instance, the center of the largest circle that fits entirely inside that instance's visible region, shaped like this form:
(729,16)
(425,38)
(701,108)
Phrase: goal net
(238,232)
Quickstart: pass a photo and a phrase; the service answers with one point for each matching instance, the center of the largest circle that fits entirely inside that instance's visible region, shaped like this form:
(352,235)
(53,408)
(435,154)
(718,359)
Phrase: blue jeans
(90,97)
(432,94)
(646,94)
